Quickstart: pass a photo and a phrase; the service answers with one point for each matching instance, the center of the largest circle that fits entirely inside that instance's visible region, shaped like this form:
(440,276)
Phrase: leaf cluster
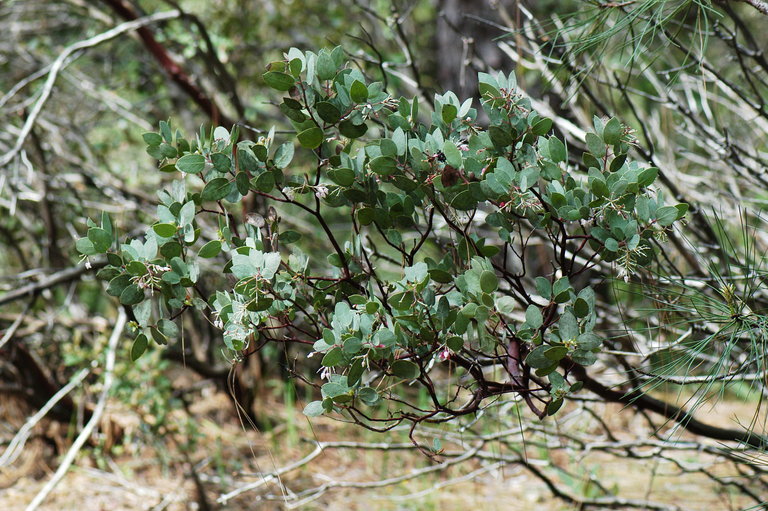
(450,200)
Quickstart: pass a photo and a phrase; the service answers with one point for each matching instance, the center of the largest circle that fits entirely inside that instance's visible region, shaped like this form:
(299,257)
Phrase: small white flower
(88,265)
(445,354)
(321,191)
(288,192)
(239,311)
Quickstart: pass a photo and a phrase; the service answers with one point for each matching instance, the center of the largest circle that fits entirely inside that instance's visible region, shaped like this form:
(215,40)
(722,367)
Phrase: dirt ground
(135,476)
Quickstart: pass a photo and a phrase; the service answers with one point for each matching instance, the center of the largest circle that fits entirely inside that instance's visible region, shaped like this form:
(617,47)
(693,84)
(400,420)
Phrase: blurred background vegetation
(185,428)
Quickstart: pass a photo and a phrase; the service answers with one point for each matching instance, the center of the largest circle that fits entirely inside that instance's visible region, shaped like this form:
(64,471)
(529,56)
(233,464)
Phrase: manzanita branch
(174,70)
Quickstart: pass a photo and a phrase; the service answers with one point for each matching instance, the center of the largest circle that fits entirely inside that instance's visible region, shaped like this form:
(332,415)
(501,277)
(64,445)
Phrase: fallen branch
(97,412)
(20,438)
(641,401)
(15,325)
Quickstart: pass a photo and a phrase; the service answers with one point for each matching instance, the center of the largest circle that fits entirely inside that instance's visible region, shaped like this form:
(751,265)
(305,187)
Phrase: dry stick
(15,326)
(640,401)
(266,478)
(311,494)
(63,59)
(17,443)
(471,476)
(31,78)
(97,412)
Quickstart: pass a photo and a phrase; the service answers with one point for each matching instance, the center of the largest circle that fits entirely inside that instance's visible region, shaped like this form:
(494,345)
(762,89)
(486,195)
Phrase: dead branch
(97,412)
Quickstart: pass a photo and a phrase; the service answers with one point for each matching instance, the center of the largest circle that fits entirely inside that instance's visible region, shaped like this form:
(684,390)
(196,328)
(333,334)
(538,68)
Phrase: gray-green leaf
(191,163)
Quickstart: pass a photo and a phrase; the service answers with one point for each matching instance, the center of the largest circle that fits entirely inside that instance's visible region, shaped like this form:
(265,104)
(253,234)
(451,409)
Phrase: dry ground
(136,476)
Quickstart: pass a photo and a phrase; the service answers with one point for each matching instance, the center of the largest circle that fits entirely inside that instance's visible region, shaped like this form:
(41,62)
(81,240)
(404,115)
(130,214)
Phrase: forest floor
(209,448)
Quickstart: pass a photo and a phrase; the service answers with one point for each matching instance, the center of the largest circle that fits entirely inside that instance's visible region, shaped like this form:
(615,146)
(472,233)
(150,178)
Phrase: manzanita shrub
(426,246)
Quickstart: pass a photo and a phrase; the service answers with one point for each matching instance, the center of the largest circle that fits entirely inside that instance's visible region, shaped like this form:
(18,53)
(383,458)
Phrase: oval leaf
(191,163)
(383,165)
(343,176)
(139,347)
(216,189)
(283,155)
(328,112)
(488,281)
(405,369)
(279,81)
(314,409)
(164,230)
(352,130)
(100,238)
(358,92)
(210,249)
(131,295)
(311,138)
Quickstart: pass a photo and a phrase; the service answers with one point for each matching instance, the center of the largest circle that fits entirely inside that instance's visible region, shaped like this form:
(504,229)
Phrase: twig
(314,493)
(265,478)
(97,412)
(614,5)
(641,401)
(693,380)
(31,78)
(442,484)
(15,326)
